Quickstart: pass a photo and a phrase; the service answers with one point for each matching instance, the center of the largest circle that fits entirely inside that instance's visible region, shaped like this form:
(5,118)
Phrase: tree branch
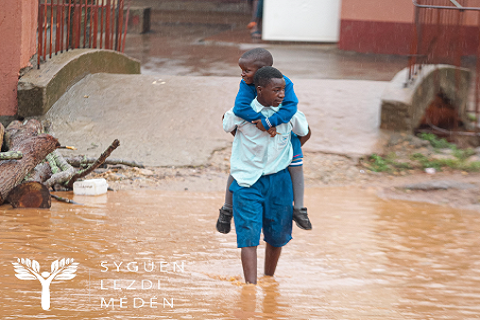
(95,165)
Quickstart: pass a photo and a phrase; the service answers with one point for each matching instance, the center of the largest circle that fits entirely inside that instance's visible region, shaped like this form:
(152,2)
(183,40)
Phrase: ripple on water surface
(157,255)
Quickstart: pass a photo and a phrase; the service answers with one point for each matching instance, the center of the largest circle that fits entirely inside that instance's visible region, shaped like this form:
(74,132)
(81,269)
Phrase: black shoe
(300,217)
(224,219)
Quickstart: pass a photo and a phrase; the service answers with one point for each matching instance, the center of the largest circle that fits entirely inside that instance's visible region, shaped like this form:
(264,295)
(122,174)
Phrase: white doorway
(301,20)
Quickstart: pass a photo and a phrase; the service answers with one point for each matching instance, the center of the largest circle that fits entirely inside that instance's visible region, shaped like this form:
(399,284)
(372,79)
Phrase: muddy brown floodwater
(156,255)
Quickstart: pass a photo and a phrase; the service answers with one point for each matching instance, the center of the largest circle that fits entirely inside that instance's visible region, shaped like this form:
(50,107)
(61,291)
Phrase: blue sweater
(247,93)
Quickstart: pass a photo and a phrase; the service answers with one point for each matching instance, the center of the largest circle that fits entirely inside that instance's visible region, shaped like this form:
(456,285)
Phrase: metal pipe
(85,25)
(45,28)
(51,27)
(95,26)
(458,5)
(112,27)
(477,84)
(69,30)
(119,25)
(57,29)
(416,4)
(40,35)
(107,26)
(90,37)
(126,25)
(62,26)
(101,24)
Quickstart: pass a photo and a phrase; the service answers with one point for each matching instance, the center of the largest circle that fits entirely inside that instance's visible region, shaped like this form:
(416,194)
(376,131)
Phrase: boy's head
(252,60)
(270,86)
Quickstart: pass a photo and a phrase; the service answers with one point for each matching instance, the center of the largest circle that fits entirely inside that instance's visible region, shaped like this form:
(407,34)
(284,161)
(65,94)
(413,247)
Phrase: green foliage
(471,117)
(420,161)
(436,142)
(458,163)
(463,154)
(388,164)
(378,164)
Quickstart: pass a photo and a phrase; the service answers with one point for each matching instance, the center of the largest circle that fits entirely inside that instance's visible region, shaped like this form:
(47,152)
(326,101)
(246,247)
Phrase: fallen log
(80,161)
(11,155)
(18,131)
(24,138)
(40,173)
(30,194)
(61,170)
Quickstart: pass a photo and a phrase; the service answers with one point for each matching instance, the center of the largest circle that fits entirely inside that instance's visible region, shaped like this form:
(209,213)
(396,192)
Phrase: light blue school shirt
(254,152)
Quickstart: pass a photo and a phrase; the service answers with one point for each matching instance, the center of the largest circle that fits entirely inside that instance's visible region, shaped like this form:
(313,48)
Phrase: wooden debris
(40,173)
(65,200)
(82,161)
(30,194)
(33,146)
(11,155)
(31,157)
(115,144)
(62,171)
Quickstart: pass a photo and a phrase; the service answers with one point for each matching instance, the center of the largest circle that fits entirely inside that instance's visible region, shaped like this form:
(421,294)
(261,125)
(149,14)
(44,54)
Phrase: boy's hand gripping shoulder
(243,108)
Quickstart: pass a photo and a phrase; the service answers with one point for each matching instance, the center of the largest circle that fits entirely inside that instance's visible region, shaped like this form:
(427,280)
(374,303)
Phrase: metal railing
(70,24)
(440,37)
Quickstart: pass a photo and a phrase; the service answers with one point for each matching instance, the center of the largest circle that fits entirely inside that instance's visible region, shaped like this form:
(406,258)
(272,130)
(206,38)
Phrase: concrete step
(40,88)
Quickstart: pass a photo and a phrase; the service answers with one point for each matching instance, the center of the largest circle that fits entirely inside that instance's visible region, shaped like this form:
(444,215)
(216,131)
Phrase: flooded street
(209,44)
(157,255)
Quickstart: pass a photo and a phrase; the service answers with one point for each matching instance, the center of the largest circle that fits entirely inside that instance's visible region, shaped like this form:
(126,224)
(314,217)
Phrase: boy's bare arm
(305,138)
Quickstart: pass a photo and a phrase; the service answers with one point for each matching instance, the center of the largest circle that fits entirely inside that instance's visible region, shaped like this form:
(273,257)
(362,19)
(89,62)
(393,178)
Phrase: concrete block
(404,106)
(40,88)
(139,19)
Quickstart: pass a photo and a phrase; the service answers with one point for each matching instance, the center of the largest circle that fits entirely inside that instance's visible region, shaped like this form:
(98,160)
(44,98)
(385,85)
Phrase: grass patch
(388,164)
(436,142)
(458,161)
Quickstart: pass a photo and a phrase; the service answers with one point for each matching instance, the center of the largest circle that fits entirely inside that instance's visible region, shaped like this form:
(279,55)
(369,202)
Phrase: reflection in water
(157,255)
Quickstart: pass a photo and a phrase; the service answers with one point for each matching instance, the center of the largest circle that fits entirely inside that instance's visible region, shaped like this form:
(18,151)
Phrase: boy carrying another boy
(262,187)
(250,62)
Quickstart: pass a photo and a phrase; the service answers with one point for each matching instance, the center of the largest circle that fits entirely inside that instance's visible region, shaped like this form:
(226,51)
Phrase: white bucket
(90,187)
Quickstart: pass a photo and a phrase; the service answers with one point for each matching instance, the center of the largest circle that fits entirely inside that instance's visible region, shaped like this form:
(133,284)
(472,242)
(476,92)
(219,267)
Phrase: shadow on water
(157,254)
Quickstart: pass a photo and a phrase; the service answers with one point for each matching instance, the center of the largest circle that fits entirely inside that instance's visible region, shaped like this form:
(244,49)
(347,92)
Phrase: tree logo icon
(26,269)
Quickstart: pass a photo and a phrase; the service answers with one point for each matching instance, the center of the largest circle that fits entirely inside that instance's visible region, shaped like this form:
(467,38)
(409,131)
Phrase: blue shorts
(268,205)
(297,159)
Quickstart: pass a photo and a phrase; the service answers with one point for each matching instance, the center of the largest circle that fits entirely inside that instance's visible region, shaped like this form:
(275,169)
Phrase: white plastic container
(90,187)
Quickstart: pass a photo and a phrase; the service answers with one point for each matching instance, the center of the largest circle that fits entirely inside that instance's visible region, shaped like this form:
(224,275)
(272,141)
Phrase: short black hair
(264,75)
(259,55)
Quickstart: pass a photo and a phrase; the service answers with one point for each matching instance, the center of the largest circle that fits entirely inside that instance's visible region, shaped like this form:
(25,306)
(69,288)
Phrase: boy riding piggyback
(250,62)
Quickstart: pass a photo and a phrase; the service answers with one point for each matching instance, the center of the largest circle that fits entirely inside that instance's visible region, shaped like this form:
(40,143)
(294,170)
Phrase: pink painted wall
(29,31)
(386,26)
(389,11)
(378,10)
(18,44)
